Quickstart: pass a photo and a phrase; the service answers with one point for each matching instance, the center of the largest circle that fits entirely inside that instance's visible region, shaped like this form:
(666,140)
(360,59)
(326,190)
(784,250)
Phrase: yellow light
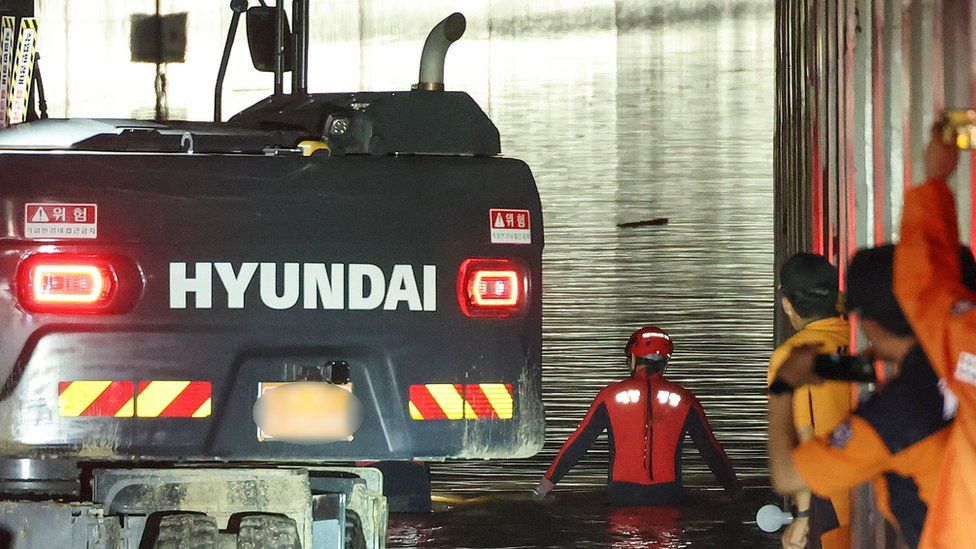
(962,140)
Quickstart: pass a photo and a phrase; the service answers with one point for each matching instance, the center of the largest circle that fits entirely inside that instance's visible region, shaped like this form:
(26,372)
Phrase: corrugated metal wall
(859,83)
(793,158)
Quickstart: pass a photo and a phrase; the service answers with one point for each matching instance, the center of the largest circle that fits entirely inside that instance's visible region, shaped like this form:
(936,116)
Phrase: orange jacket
(896,439)
(942,311)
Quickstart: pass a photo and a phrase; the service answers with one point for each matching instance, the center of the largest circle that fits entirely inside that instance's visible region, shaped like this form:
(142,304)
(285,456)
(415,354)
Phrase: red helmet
(650,342)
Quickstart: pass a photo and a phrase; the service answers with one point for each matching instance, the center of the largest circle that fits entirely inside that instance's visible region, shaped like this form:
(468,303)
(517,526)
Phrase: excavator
(207,325)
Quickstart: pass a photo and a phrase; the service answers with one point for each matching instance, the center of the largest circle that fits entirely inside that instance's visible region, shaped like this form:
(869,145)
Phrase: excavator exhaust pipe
(435,51)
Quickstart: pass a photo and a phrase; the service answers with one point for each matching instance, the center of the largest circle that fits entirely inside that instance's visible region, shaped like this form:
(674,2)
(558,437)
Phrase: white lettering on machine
(336,286)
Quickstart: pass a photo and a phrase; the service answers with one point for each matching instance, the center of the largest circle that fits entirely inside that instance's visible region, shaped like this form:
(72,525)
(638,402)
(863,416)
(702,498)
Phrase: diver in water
(646,418)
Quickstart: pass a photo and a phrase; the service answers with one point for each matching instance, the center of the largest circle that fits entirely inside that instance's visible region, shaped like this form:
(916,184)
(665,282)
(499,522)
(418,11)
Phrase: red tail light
(66,283)
(491,287)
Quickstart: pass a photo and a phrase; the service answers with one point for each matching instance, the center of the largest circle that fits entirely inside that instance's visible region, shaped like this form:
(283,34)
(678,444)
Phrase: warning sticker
(510,226)
(61,221)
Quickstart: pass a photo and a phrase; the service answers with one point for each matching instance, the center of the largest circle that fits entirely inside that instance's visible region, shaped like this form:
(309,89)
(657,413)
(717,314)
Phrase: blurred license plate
(306,412)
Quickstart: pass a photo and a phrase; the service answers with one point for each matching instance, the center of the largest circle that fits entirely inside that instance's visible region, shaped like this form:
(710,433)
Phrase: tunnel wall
(859,84)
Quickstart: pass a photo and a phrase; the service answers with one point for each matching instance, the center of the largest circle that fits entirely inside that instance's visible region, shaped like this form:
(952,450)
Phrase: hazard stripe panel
(489,401)
(173,399)
(95,398)
(436,401)
(453,401)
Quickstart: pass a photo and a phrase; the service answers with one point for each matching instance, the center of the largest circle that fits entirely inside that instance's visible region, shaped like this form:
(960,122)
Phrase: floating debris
(645,223)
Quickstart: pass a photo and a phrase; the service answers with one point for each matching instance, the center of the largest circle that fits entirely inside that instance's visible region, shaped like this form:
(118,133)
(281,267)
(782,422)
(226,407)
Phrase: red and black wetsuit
(646,417)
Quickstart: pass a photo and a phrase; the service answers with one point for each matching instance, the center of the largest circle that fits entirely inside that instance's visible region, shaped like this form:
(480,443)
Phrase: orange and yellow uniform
(822,407)
(942,312)
(896,440)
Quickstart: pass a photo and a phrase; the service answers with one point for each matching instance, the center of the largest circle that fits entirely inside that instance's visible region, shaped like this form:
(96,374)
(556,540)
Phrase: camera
(845,368)
(959,128)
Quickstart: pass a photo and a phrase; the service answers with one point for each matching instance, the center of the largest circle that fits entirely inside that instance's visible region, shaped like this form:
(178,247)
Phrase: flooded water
(578,519)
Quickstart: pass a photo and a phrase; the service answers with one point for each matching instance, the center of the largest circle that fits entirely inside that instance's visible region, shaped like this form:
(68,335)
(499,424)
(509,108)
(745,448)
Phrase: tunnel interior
(626,111)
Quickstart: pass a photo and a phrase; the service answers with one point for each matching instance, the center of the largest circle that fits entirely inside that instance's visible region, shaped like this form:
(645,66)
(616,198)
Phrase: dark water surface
(581,519)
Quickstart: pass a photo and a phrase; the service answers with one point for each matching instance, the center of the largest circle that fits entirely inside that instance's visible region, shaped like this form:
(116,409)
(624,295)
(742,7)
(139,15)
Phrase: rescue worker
(808,284)
(943,313)
(646,417)
(896,438)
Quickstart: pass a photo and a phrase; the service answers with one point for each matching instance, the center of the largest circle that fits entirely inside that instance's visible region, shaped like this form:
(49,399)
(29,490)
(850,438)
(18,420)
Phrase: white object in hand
(771,518)
(542,490)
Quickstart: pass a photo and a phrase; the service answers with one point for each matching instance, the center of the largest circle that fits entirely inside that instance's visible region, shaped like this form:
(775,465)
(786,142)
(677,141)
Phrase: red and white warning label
(510,226)
(61,221)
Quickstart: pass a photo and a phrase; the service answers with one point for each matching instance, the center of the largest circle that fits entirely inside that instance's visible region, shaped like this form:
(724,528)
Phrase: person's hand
(795,535)
(542,489)
(940,158)
(798,368)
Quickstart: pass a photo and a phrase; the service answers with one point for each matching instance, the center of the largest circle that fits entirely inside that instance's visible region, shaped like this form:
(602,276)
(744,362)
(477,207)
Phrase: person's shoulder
(612,389)
(805,336)
(678,389)
(832,327)
(834,330)
(825,332)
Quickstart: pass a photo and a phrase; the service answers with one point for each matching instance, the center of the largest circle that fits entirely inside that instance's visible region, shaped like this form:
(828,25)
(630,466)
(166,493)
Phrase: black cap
(870,286)
(809,281)
(809,277)
(870,289)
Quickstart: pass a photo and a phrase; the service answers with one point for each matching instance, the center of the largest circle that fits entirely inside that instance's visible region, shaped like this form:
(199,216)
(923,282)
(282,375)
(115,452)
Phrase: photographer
(943,313)
(809,288)
(896,438)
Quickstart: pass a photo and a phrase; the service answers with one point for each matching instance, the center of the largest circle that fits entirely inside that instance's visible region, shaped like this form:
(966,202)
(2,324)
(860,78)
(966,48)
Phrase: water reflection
(633,527)
(581,519)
